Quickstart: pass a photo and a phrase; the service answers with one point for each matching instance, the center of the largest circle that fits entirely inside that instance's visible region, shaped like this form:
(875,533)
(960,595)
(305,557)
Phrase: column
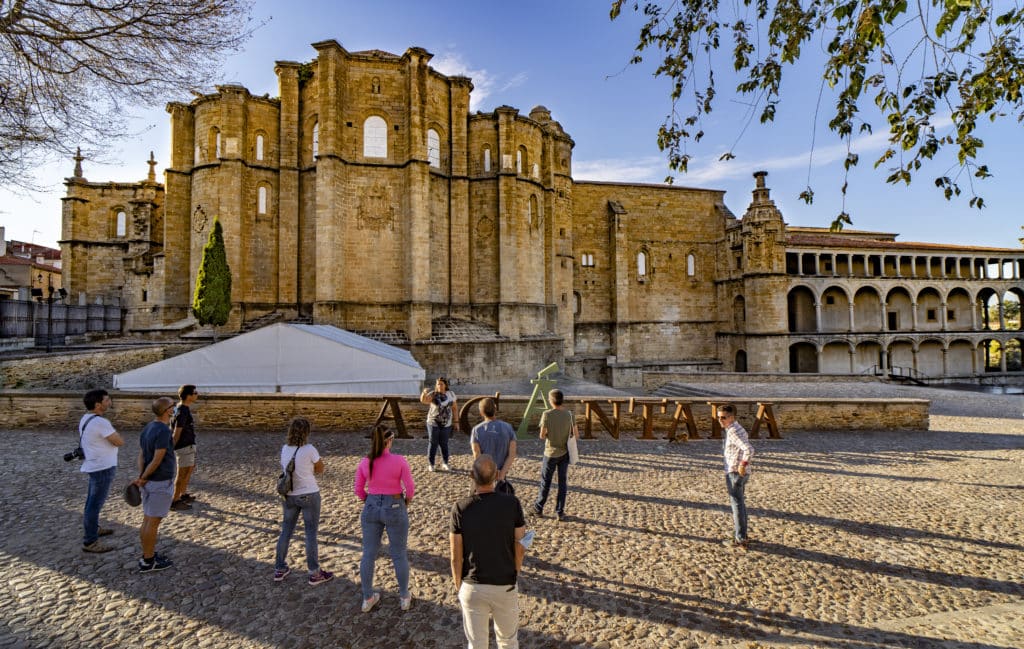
(942,315)
(817,263)
(799,263)
(1002,351)
(884,306)
(885,361)
(817,316)
(974,315)
(1002,318)
(913,313)
(834,262)
(852,354)
(817,350)
(957,267)
(945,361)
(851,317)
(913,266)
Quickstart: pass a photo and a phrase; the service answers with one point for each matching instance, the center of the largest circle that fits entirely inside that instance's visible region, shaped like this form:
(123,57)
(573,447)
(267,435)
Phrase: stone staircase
(675,389)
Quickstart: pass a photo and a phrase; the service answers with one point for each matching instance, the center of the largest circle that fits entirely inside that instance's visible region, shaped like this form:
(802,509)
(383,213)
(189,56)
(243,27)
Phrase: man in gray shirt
(494,437)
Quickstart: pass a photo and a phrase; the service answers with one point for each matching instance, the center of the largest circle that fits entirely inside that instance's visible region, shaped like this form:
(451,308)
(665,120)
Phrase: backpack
(287,477)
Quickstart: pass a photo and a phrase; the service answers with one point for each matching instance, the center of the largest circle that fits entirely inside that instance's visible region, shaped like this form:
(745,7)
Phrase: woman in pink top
(381,480)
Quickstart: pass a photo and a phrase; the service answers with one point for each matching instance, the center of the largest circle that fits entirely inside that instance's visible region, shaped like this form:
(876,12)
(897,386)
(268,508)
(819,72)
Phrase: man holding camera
(98,442)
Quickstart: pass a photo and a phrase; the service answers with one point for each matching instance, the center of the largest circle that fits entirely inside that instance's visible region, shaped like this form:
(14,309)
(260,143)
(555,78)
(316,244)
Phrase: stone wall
(652,380)
(81,370)
(22,409)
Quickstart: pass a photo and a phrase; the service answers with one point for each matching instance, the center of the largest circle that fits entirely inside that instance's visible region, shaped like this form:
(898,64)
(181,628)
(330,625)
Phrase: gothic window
(487,158)
(121,227)
(521,160)
(375,137)
(587,260)
(261,199)
(641,265)
(316,139)
(433,149)
(691,265)
(259,146)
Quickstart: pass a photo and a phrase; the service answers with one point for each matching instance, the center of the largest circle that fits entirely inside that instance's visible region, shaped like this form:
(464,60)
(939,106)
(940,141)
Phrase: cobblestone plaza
(866,539)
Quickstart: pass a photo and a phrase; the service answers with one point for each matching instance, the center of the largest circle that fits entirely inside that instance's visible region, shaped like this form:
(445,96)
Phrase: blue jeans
(99,488)
(384,512)
(547,471)
(309,505)
(736,484)
(438,436)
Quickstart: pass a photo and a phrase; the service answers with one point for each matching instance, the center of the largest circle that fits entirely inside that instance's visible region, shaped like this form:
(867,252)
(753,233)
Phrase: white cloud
(485,83)
(650,169)
(514,82)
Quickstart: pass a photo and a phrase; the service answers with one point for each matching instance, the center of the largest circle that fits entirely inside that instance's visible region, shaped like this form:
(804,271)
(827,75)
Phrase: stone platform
(862,539)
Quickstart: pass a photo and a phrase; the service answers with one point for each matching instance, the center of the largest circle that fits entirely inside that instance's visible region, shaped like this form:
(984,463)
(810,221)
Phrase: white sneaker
(430,468)
(368,604)
(445,467)
(405,602)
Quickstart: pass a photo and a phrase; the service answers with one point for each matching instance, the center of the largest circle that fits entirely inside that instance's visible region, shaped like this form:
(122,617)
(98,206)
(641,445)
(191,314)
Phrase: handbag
(574,450)
(504,487)
(285,480)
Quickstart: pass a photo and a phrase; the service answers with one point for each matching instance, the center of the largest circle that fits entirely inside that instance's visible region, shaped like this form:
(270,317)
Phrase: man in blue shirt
(495,438)
(156,480)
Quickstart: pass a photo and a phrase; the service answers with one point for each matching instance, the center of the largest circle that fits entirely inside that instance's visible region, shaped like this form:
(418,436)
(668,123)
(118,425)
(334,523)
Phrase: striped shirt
(737,447)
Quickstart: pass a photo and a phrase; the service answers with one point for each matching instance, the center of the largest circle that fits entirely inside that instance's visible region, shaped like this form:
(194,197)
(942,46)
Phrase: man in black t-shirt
(486,555)
(184,428)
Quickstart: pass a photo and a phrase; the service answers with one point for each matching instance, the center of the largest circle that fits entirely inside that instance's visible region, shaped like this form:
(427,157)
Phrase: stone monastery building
(367,196)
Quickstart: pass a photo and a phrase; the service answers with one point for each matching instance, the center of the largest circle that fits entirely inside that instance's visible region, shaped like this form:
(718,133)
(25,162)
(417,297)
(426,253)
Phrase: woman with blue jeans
(384,484)
(304,498)
(440,420)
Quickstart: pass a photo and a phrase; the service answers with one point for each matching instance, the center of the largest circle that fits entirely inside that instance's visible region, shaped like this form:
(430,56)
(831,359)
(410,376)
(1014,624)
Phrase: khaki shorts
(186,456)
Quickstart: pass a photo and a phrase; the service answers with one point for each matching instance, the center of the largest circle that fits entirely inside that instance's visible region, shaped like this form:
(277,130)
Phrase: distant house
(27,266)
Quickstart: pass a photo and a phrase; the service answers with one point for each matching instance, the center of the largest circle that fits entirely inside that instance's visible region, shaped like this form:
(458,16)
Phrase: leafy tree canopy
(924,65)
(68,68)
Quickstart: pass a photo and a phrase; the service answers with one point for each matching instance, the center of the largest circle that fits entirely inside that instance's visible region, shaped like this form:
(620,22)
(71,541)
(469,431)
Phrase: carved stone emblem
(375,211)
(484,227)
(199,219)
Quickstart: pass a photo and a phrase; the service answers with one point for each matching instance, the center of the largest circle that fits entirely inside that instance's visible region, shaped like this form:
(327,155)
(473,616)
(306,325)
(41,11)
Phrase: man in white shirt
(99,442)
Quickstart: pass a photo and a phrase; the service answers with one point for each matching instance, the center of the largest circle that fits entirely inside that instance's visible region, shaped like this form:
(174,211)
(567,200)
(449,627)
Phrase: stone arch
(803,358)
(960,358)
(835,357)
(835,309)
(522,160)
(259,146)
(991,351)
(691,264)
(901,354)
(433,148)
(485,158)
(741,361)
(958,310)
(899,309)
(1012,300)
(867,309)
(988,309)
(929,305)
(119,222)
(643,264)
(929,357)
(866,355)
(800,306)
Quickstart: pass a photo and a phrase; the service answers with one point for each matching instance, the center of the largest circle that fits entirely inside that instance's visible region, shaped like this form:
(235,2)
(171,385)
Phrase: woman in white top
(441,420)
(304,498)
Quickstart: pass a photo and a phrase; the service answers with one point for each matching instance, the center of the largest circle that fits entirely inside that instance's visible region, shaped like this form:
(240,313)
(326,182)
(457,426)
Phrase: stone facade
(365,195)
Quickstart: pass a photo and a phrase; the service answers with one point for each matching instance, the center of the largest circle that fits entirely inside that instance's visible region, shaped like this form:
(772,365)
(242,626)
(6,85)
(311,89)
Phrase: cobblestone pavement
(867,539)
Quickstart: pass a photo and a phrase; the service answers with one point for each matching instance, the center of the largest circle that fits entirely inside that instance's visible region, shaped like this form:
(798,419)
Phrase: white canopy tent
(289,358)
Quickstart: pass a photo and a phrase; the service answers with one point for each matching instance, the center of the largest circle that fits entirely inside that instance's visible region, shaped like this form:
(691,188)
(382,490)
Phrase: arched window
(433,149)
(259,146)
(587,260)
(121,228)
(577,303)
(522,161)
(316,139)
(641,265)
(691,265)
(375,137)
(199,154)
(261,199)
(487,158)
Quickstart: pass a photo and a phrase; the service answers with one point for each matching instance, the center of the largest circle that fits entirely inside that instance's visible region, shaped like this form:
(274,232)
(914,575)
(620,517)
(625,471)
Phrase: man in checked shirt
(738,451)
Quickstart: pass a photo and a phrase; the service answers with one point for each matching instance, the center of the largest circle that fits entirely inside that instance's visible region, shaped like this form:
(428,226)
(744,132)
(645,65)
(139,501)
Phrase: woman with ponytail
(384,484)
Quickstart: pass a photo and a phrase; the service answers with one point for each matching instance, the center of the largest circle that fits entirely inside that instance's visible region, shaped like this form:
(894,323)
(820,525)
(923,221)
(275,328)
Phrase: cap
(132,495)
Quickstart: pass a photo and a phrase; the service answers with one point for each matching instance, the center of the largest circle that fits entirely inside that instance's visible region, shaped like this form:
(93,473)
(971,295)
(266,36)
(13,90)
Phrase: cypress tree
(212,301)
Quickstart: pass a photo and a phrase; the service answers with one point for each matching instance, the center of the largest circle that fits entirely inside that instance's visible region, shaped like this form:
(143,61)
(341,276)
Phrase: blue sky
(568,56)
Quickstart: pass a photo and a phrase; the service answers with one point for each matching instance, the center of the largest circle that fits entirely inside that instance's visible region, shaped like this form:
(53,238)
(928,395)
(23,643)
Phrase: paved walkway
(868,539)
